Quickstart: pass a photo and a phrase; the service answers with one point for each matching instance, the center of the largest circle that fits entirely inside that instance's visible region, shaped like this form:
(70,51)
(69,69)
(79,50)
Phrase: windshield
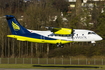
(91,33)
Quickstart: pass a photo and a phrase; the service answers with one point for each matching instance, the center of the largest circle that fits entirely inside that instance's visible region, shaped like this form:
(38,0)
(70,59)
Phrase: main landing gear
(60,45)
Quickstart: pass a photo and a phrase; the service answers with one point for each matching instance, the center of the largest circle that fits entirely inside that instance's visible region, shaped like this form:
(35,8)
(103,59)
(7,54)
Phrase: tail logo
(15,26)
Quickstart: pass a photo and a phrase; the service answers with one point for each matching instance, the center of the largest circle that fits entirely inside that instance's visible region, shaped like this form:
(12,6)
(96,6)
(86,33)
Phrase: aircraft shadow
(68,66)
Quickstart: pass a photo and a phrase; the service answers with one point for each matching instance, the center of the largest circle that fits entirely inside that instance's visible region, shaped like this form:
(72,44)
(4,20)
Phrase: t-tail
(15,26)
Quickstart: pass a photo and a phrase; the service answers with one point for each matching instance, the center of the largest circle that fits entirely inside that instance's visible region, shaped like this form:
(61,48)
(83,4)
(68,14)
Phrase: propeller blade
(72,33)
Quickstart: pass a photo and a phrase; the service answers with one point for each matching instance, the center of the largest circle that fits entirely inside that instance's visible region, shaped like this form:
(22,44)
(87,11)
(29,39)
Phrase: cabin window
(62,35)
(51,35)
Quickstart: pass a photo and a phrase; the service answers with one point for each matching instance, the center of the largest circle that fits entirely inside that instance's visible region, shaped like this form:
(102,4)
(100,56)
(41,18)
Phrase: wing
(62,31)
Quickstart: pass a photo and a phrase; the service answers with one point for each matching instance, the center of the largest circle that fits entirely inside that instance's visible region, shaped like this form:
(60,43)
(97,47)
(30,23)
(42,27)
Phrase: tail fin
(15,26)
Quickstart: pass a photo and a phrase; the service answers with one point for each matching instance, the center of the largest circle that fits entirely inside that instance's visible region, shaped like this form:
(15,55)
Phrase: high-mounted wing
(62,31)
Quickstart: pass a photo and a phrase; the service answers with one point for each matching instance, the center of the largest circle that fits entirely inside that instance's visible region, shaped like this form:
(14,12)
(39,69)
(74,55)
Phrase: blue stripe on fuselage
(37,36)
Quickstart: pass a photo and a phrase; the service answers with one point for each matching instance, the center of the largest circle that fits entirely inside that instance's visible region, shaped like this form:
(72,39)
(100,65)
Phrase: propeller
(72,34)
(54,29)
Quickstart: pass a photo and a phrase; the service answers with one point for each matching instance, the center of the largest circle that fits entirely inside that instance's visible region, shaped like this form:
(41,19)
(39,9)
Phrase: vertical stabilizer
(15,26)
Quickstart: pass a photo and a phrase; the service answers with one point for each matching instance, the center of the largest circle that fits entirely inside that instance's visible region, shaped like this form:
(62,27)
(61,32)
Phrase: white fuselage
(79,35)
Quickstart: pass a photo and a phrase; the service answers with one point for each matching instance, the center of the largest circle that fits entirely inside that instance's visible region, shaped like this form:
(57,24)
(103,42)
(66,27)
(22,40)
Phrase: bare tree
(78,7)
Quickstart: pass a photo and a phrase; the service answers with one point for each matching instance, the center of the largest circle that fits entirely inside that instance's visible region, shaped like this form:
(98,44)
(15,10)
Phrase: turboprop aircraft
(58,36)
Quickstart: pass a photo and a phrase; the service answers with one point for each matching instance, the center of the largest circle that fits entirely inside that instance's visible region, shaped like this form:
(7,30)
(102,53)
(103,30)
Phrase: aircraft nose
(99,38)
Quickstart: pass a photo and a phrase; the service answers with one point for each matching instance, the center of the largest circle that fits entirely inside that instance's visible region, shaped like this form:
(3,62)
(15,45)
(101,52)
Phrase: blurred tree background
(36,14)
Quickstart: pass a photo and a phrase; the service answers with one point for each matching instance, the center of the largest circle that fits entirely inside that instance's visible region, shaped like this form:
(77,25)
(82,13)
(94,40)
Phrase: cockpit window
(91,33)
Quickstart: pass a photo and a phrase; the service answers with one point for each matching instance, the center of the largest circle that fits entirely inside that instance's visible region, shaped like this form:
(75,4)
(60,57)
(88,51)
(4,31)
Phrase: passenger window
(62,35)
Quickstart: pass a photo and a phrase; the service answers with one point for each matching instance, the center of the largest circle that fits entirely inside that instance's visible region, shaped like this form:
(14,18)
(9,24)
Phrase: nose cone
(99,38)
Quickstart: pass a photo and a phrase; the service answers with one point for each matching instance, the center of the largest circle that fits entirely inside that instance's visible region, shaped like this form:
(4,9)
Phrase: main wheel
(60,45)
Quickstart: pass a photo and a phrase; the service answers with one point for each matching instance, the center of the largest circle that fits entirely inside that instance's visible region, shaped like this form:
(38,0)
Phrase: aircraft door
(42,37)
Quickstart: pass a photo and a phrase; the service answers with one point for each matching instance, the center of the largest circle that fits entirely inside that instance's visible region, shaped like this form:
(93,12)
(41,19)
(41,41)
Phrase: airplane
(53,35)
